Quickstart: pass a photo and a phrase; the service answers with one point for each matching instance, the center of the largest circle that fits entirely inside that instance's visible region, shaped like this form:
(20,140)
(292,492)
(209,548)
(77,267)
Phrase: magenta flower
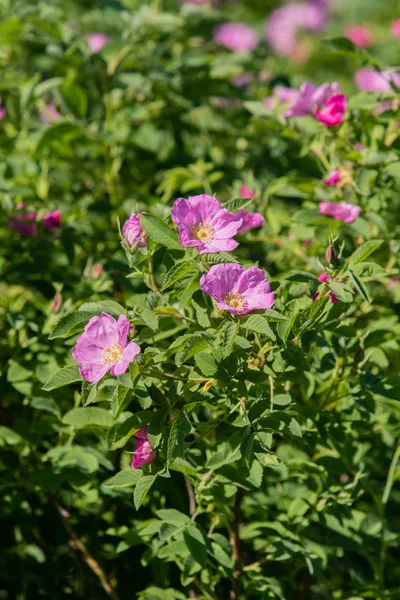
(395,28)
(238,37)
(97,40)
(24,223)
(246,193)
(306,100)
(284,24)
(333,178)
(342,212)
(3,111)
(325,278)
(133,231)
(369,80)
(49,115)
(360,36)
(203,224)
(52,220)
(242,80)
(104,347)
(332,113)
(236,289)
(144,452)
(249,220)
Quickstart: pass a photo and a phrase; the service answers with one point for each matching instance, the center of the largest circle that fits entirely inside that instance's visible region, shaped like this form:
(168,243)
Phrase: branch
(237,568)
(192,499)
(78,546)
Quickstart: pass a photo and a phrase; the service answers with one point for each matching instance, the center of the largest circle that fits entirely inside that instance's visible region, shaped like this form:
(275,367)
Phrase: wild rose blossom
(204,224)
(97,40)
(52,220)
(333,178)
(238,37)
(3,111)
(332,113)
(360,36)
(236,289)
(249,220)
(345,212)
(284,24)
(144,452)
(104,347)
(325,278)
(49,115)
(24,223)
(369,80)
(246,193)
(133,232)
(395,28)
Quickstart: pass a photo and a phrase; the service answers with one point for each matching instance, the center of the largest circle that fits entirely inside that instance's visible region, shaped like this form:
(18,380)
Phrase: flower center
(202,232)
(112,354)
(235,300)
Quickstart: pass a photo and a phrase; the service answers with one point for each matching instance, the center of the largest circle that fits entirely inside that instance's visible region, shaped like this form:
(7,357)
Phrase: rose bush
(199,300)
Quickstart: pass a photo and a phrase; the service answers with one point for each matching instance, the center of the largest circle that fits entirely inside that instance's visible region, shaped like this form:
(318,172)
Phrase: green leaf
(160,232)
(9,437)
(206,363)
(17,373)
(125,478)
(194,345)
(282,399)
(88,393)
(259,324)
(60,132)
(177,272)
(359,285)
(172,516)
(75,98)
(237,204)
(258,109)
(118,397)
(342,291)
(149,318)
(126,429)
(201,315)
(142,488)
(363,252)
(228,338)
(67,324)
(228,452)
(65,376)
(343,45)
(217,258)
(295,428)
(83,417)
(108,306)
(197,544)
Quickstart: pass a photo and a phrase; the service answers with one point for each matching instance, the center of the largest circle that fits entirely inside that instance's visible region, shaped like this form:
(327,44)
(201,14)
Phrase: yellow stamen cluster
(235,300)
(202,232)
(112,354)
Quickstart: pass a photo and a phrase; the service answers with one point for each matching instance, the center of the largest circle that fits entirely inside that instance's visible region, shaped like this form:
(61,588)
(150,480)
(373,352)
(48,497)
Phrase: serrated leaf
(363,252)
(259,324)
(86,416)
(160,232)
(206,363)
(149,318)
(65,376)
(177,272)
(118,397)
(237,204)
(126,429)
(75,98)
(217,258)
(197,544)
(193,345)
(88,393)
(108,306)
(228,338)
(142,488)
(173,516)
(125,478)
(67,324)
(358,285)
(201,315)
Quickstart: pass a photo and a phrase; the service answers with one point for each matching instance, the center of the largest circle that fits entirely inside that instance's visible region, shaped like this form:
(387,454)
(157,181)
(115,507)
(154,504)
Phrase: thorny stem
(77,545)
(235,542)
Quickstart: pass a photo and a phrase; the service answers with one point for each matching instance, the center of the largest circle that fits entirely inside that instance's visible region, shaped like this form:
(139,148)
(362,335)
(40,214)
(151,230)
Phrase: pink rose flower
(203,224)
(104,347)
(236,289)
(360,36)
(325,278)
(246,193)
(333,178)
(238,37)
(52,220)
(332,113)
(284,24)
(306,100)
(24,223)
(144,452)
(395,28)
(369,80)
(133,231)
(3,111)
(249,220)
(342,212)
(49,115)
(97,40)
